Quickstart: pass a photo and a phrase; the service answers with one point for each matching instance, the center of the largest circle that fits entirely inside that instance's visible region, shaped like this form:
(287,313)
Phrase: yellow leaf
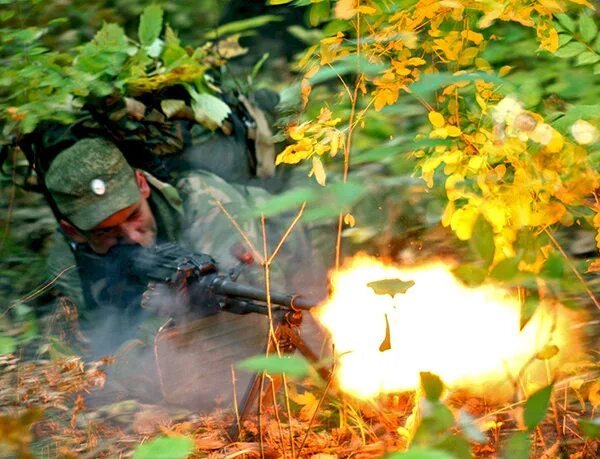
(305,89)
(349,220)
(436,119)
(475,163)
(314,69)
(504,70)
(594,394)
(366,10)
(318,170)
(448,212)
(383,97)
(335,142)
(556,143)
(453,131)
(440,133)
(594,266)
(308,402)
(547,352)
(466,56)
(475,37)
(462,222)
(415,61)
(345,9)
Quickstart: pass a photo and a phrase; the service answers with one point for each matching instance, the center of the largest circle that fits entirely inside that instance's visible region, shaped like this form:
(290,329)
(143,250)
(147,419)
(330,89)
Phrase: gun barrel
(224,286)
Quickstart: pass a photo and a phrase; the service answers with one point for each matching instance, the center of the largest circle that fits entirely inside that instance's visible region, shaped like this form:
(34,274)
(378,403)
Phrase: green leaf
(528,308)
(590,428)
(437,421)
(571,49)
(390,287)
(469,274)
(209,110)
(518,446)
(536,407)
(587,57)
(256,67)
(165,448)
(596,69)
(8,345)
(421,453)
(150,24)
(587,27)
(527,245)
(432,386)
(241,26)
(554,267)
(567,22)
(273,364)
(482,240)
(597,44)
(111,36)
(506,269)
(563,39)
(456,445)
(318,13)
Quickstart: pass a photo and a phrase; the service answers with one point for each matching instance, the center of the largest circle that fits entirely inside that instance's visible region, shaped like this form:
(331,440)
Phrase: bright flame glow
(467,336)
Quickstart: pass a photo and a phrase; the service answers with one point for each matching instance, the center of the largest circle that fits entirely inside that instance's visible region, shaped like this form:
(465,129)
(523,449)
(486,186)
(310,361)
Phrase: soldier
(105,205)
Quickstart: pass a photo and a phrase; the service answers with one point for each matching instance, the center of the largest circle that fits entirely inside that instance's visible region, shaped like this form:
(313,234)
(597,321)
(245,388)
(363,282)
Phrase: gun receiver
(198,275)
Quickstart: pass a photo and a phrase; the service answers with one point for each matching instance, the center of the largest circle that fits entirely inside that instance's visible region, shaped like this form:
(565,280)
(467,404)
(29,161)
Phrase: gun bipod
(259,391)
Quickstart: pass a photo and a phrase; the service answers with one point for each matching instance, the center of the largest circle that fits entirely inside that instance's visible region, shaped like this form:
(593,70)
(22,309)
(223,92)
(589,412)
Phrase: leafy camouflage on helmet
(90,181)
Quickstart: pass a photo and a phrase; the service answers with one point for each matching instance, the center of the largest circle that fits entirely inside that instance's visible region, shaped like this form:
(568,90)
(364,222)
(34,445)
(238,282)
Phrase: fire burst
(470,337)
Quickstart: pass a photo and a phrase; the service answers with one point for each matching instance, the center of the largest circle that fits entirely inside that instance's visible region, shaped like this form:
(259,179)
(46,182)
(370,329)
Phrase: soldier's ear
(142,184)
(71,231)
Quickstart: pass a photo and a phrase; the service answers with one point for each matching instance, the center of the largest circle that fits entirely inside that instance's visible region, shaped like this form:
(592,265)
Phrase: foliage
(40,85)
(506,169)
(165,448)
(274,364)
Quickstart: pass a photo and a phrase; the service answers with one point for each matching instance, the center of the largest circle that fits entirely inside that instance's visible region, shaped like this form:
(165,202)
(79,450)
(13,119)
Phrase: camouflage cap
(90,181)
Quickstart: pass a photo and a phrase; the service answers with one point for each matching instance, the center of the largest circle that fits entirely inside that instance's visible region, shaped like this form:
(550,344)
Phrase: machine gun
(197,278)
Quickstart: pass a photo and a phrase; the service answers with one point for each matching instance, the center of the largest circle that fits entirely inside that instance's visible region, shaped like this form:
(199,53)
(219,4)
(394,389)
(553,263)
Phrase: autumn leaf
(436,119)
(390,287)
(318,170)
(386,344)
(349,220)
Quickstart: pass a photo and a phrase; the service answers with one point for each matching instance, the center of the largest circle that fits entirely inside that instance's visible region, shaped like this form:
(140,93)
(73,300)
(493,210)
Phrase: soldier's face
(132,225)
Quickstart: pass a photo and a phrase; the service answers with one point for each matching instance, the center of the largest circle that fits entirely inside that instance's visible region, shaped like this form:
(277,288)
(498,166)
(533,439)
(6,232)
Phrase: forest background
(427,128)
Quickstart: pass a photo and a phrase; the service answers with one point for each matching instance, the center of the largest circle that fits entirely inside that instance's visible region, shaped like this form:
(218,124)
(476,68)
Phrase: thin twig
(573,268)
(289,412)
(38,291)
(287,233)
(255,252)
(235,402)
(278,418)
(267,266)
(157,360)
